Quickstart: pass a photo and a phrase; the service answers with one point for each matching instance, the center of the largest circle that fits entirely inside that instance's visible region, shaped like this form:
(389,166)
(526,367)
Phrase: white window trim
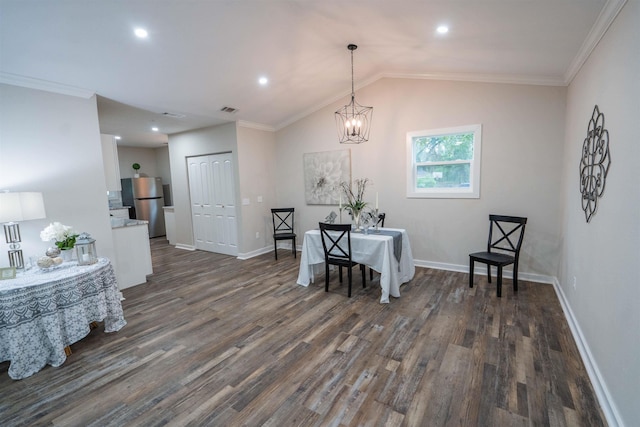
(471,192)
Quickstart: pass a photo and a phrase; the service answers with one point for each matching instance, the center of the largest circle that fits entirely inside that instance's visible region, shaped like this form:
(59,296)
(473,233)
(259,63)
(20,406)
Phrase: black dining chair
(503,248)
(380,223)
(336,242)
(283,228)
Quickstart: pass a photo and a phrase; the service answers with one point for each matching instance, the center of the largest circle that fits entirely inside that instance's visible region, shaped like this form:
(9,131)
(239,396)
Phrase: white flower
(56,231)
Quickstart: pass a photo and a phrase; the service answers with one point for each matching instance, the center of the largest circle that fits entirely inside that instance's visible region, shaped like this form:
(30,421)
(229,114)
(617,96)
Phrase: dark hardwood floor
(212,340)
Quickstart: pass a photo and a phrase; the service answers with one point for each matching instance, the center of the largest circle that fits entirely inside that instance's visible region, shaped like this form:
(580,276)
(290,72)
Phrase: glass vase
(357,221)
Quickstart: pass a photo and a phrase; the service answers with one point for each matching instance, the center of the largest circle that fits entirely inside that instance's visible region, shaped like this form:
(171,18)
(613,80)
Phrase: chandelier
(353,120)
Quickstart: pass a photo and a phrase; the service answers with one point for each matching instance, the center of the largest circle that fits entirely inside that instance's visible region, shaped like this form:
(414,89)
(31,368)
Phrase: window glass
(444,162)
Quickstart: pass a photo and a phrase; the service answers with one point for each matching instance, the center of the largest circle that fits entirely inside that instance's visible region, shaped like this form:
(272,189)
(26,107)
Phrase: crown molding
(607,16)
(253,125)
(482,78)
(31,83)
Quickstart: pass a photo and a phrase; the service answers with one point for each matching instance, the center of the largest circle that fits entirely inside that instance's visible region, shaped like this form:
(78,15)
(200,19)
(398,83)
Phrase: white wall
(257,164)
(146,157)
(604,254)
(212,140)
(163,165)
(51,143)
(522,135)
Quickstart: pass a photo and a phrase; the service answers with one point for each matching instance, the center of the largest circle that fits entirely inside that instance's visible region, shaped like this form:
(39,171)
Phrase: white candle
(85,257)
(376,200)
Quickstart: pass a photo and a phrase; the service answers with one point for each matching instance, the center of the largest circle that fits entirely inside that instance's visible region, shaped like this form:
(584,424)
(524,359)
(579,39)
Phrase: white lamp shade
(21,206)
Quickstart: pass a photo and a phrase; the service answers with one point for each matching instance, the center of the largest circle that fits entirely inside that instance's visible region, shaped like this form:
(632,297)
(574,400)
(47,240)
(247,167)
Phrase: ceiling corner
(598,30)
(31,83)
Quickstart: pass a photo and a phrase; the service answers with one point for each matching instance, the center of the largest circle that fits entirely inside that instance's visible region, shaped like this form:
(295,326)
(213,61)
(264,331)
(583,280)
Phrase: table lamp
(20,206)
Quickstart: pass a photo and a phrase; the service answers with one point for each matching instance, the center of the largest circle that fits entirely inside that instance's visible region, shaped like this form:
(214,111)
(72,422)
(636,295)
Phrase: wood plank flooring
(215,341)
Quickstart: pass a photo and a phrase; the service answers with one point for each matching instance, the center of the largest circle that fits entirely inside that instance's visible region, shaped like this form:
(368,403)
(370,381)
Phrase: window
(444,163)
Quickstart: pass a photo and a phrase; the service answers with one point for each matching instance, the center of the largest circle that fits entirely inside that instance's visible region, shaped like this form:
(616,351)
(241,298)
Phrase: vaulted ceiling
(200,56)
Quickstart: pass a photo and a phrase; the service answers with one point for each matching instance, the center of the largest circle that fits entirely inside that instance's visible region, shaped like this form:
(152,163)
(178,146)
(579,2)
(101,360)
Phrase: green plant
(136,166)
(355,202)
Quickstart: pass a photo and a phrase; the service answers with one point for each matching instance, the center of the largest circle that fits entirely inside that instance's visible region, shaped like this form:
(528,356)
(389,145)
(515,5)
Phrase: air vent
(173,115)
(228,110)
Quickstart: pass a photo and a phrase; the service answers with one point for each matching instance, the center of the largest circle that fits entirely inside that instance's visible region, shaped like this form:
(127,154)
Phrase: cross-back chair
(283,228)
(503,248)
(336,242)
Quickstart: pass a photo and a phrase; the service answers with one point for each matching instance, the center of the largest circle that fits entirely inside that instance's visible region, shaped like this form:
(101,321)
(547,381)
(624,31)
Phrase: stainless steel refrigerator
(146,197)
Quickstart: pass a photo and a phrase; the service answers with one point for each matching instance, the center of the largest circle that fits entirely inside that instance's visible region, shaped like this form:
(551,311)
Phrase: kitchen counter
(132,252)
(121,213)
(123,222)
(170,224)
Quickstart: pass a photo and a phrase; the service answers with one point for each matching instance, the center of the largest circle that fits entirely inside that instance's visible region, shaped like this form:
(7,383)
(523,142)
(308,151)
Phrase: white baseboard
(185,247)
(482,269)
(266,249)
(257,252)
(607,404)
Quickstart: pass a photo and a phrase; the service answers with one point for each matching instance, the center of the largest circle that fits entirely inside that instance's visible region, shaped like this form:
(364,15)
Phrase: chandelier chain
(353,94)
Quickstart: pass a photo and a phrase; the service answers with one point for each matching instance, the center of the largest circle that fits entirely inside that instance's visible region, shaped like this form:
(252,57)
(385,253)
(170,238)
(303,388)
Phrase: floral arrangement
(64,236)
(355,202)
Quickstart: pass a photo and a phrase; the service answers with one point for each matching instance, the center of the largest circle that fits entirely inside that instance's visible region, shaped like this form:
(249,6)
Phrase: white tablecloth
(373,250)
(42,312)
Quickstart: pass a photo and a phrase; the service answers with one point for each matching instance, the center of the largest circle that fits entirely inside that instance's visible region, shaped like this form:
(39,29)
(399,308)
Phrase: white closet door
(213,206)
(224,208)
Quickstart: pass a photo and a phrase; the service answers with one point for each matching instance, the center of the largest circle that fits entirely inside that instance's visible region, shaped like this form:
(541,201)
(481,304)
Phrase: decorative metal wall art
(594,164)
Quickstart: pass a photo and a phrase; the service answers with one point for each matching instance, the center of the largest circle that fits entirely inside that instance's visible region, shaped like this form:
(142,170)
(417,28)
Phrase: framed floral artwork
(323,173)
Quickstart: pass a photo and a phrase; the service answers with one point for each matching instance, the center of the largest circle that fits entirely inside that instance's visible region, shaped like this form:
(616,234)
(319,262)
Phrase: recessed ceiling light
(155,129)
(263,81)
(141,33)
(442,29)
(117,137)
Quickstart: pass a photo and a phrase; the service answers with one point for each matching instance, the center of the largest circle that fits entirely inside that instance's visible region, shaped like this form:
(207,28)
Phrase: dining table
(42,312)
(386,250)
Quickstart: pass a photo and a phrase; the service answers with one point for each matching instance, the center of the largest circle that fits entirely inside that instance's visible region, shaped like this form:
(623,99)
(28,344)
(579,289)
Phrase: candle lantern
(86,250)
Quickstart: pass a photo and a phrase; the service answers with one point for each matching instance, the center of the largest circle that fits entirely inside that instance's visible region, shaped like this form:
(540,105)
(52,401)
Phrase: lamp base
(12,236)
(16,259)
